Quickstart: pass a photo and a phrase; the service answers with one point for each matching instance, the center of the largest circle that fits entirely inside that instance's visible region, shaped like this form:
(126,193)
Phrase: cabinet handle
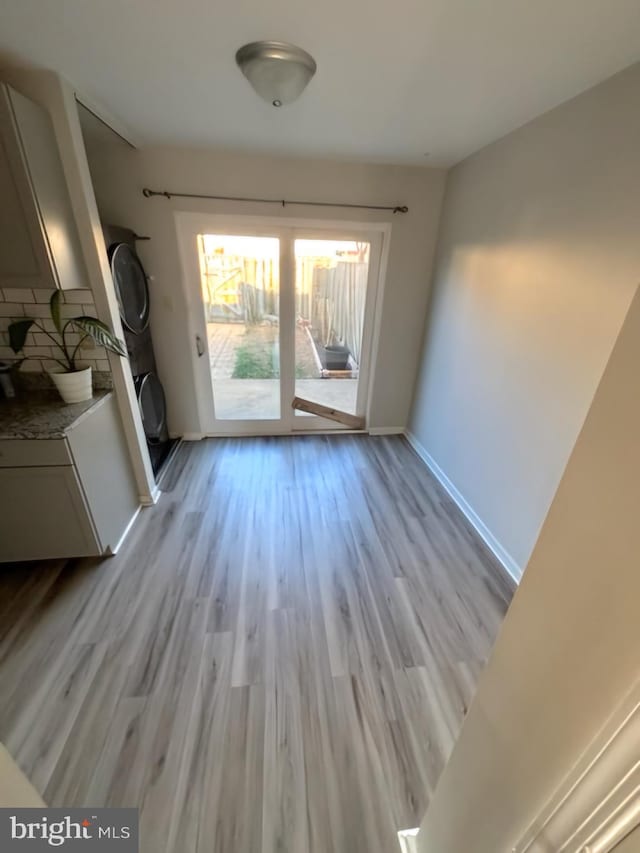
(199,346)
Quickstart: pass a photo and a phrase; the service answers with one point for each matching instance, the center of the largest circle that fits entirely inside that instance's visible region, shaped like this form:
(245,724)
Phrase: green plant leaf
(54,307)
(100,333)
(18,333)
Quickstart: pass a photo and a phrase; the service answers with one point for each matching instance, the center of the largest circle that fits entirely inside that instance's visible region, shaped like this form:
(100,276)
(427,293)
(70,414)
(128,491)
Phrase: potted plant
(336,357)
(72,381)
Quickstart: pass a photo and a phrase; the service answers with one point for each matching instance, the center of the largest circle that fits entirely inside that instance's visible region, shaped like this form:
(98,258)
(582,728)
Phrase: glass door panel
(240,281)
(331,278)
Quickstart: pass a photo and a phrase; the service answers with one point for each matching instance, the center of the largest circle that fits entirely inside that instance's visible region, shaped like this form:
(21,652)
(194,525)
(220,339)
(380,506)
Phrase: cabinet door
(43,515)
(45,249)
(49,183)
(24,256)
(107,480)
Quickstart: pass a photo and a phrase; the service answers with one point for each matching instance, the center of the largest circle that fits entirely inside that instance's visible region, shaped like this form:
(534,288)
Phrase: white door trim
(189,224)
(598,804)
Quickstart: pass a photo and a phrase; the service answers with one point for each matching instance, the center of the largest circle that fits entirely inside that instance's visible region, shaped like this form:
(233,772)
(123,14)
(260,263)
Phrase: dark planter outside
(336,357)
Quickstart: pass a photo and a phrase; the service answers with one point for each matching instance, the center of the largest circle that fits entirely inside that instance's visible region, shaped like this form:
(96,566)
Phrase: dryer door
(131,287)
(152,407)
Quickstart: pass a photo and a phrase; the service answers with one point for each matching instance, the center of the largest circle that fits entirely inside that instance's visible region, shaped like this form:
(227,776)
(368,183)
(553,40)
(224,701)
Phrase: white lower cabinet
(67,497)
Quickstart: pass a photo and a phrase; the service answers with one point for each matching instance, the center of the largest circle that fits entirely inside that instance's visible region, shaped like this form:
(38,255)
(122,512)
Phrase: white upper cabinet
(39,242)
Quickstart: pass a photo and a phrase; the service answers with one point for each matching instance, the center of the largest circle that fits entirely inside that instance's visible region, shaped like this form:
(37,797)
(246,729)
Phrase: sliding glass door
(284,332)
(331,287)
(240,280)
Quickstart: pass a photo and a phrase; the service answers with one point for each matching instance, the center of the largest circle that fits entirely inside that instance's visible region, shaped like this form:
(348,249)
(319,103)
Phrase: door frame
(598,804)
(189,224)
(375,238)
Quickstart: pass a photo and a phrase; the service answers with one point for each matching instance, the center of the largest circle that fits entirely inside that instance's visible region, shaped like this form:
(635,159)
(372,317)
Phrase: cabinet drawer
(31,452)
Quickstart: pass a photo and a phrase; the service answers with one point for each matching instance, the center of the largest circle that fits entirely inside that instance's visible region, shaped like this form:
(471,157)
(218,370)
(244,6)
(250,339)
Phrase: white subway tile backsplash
(43,296)
(32,366)
(40,351)
(37,311)
(91,352)
(41,340)
(78,296)
(11,309)
(39,348)
(18,294)
(71,310)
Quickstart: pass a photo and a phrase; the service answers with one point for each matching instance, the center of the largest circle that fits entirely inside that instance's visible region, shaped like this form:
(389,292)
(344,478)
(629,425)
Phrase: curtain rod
(147,193)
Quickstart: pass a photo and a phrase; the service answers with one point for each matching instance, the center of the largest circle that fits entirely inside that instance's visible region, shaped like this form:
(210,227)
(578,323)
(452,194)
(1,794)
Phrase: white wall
(567,653)
(538,258)
(120,173)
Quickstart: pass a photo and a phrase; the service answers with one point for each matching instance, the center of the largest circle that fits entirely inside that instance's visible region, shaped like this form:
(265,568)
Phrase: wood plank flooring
(279,658)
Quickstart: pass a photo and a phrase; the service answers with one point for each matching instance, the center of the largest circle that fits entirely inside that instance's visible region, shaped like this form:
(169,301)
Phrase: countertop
(42,414)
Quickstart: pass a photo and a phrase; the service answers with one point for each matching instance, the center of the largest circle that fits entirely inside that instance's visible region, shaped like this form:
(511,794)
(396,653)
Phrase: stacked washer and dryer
(132,291)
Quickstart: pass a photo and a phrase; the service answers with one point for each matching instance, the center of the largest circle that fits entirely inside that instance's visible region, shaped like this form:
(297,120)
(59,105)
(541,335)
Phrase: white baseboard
(386,431)
(510,566)
(152,499)
(408,839)
(192,436)
(126,531)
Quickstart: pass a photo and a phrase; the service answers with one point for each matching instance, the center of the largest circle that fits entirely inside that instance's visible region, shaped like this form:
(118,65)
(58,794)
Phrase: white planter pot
(74,387)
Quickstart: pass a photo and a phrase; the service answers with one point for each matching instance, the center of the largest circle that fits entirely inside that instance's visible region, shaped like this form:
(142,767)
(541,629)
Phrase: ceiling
(399,81)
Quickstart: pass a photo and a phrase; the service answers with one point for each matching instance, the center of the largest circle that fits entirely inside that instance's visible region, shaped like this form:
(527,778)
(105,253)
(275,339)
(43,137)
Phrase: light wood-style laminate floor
(279,658)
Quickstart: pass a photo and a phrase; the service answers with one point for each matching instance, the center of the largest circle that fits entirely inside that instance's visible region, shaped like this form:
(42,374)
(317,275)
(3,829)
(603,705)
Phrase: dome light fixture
(279,72)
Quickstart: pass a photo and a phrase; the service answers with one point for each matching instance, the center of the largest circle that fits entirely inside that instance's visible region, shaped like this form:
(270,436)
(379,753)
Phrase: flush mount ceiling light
(279,72)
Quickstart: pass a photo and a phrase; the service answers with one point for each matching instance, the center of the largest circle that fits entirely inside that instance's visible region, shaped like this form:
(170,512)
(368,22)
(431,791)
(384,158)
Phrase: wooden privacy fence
(338,305)
(239,288)
(331,298)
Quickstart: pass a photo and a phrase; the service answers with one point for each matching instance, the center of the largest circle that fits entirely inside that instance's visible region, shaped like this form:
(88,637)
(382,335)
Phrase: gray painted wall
(538,258)
(119,174)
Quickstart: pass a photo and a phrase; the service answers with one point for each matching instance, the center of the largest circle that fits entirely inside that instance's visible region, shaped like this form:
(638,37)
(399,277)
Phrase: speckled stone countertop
(42,414)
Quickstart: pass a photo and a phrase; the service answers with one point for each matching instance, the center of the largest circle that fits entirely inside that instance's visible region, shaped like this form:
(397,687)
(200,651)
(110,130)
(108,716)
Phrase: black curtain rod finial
(147,193)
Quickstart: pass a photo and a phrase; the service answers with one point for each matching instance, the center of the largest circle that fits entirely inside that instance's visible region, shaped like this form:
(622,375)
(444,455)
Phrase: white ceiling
(396,78)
